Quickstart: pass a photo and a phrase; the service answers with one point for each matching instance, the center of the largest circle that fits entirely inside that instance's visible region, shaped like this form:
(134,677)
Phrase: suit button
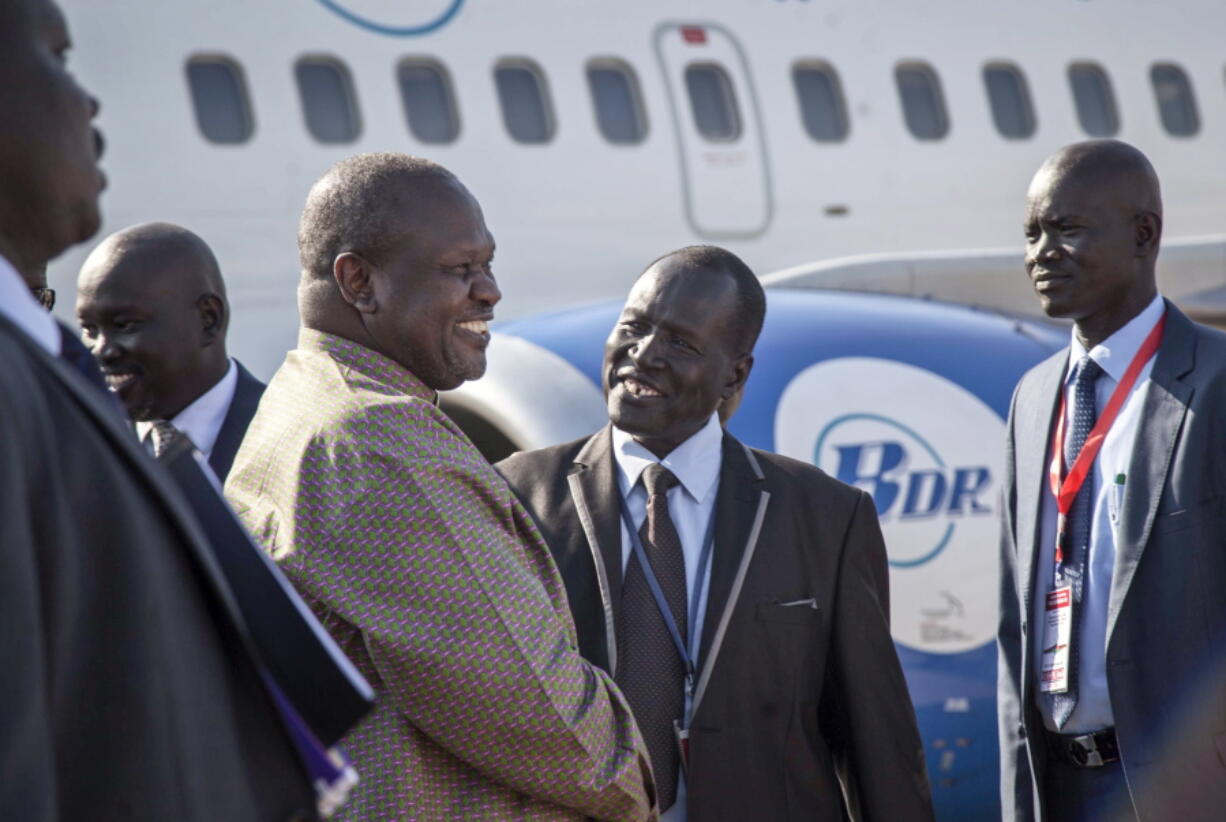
(1021,731)
(1023,629)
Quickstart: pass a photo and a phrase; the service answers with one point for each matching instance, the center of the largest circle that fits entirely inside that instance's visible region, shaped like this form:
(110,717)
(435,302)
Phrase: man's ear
(734,391)
(353,275)
(741,367)
(212,312)
(1147,228)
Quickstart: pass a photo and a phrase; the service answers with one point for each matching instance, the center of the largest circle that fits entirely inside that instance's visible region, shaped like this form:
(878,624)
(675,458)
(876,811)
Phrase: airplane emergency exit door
(718,130)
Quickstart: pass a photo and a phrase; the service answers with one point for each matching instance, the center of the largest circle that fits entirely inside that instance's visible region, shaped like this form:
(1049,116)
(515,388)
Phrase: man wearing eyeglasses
(36,279)
(71,349)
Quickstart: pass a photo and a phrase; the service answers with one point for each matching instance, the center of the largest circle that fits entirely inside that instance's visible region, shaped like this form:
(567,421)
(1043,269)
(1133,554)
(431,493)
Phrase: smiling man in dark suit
(152,307)
(744,609)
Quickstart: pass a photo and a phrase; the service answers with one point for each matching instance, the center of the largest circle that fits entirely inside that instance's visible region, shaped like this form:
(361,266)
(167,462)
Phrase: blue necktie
(1085,414)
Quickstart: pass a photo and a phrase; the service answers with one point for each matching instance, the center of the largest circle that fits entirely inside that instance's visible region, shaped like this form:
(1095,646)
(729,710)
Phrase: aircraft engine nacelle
(904,398)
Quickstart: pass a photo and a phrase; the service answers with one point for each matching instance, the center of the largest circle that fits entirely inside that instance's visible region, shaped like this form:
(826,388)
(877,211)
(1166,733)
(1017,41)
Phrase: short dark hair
(750,298)
(352,207)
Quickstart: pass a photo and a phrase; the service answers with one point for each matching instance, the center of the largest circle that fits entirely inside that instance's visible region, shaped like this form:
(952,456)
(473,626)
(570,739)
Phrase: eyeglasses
(45,297)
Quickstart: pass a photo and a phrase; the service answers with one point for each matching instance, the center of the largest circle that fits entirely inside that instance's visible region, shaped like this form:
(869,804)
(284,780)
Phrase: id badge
(682,735)
(1057,630)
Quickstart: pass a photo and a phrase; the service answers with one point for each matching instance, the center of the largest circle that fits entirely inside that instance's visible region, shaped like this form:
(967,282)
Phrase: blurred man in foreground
(1112,694)
(128,688)
(413,551)
(762,651)
(152,307)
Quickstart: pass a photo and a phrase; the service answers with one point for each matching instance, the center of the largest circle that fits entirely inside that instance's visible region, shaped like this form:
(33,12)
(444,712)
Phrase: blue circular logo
(892,456)
(426,27)
(922,447)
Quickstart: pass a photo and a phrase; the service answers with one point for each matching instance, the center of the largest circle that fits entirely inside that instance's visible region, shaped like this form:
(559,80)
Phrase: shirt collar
(357,361)
(695,462)
(201,421)
(19,305)
(1116,353)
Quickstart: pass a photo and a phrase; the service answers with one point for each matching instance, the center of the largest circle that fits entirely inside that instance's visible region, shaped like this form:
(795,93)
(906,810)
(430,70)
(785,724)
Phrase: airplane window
(821,101)
(713,102)
(525,107)
(1010,100)
(1094,99)
(618,104)
(328,102)
(219,97)
(923,105)
(1176,102)
(429,105)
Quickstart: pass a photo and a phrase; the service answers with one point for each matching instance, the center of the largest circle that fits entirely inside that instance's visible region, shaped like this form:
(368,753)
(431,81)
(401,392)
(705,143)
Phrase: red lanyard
(1065,492)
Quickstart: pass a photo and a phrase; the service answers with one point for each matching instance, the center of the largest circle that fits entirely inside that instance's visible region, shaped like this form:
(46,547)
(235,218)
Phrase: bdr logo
(929,453)
(906,476)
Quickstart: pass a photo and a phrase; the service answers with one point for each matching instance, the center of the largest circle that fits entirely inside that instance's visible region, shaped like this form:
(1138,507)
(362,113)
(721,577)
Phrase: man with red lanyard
(1112,667)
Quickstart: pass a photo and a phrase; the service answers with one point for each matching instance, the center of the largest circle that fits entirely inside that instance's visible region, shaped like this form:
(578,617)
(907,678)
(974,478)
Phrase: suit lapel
(737,498)
(740,510)
(247,393)
(593,489)
(126,447)
(1166,404)
(1034,432)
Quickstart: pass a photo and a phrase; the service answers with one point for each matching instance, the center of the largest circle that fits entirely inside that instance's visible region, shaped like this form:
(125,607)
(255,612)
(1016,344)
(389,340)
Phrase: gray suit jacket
(795,708)
(128,686)
(1166,646)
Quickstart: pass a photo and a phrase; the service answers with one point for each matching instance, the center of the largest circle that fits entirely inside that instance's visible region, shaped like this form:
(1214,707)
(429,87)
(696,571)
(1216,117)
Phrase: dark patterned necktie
(163,435)
(650,672)
(1085,414)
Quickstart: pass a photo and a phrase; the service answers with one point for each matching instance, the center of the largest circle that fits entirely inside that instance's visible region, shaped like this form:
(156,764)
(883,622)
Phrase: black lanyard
(704,557)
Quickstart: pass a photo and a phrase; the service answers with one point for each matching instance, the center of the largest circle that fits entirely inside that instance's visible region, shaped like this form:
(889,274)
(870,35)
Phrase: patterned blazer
(431,576)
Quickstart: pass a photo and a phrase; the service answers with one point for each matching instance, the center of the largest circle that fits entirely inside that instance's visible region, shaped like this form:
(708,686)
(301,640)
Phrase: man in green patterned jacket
(412,551)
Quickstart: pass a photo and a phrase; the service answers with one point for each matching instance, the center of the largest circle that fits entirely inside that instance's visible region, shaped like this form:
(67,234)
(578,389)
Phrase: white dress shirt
(202,420)
(19,306)
(1114,355)
(696,464)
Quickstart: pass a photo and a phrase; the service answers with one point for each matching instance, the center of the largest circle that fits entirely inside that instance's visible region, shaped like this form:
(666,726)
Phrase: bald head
(1105,165)
(1093,227)
(152,307)
(154,251)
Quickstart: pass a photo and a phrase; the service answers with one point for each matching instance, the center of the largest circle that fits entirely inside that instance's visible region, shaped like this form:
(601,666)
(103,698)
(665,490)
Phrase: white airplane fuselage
(577,217)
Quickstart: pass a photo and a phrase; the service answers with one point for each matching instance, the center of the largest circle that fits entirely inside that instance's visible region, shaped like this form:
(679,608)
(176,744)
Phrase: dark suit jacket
(127,688)
(242,408)
(793,705)
(1166,645)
